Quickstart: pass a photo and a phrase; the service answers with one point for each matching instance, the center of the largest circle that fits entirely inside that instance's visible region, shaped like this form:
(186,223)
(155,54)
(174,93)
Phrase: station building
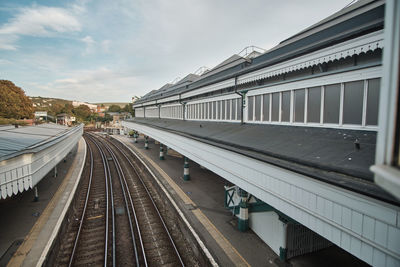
(306,133)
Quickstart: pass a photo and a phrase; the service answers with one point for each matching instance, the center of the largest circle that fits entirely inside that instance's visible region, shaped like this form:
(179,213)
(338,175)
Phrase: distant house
(65,119)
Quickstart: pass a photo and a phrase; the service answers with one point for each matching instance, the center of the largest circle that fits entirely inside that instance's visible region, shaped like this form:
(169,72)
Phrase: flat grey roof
(329,155)
(15,141)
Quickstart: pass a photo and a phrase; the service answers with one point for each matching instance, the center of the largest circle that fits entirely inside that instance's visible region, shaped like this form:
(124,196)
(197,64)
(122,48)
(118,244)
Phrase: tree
(128,108)
(68,108)
(82,112)
(114,108)
(14,104)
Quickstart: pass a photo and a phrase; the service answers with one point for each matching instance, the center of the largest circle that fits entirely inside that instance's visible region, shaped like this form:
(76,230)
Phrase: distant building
(78,103)
(41,115)
(65,119)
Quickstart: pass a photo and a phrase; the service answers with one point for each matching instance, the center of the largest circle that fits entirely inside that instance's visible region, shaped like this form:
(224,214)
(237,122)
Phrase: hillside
(43,103)
(110,103)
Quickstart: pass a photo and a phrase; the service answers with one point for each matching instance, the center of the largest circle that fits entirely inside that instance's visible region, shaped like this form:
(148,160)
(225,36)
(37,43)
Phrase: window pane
(373,101)
(353,102)
(228,110)
(239,109)
(214,110)
(332,103)
(223,110)
(233,109)
(314,104)
(258,108)
(266,107)
(299,101)
(218,110)
(250,108)
(285,106)
(275,107)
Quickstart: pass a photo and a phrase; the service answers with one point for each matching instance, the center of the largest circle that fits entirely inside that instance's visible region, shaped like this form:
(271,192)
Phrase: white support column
(186,175)
(243,218)
(55,171)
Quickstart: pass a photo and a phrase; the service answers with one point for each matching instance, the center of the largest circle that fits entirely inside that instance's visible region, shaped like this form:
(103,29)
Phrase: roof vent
(251,51)
(200,71)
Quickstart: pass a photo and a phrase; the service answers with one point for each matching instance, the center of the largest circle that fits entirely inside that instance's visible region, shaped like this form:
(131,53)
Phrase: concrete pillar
(243,218)
(55,171)
(161,152)
(186,175)
(36,195)
(146,142)
(283,248)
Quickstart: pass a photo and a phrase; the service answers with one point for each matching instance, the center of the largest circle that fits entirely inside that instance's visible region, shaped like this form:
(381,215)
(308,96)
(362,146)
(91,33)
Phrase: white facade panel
(269,228)
(25,171)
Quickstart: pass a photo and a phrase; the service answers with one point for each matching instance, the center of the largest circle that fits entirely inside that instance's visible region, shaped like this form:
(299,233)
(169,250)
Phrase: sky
(108,51)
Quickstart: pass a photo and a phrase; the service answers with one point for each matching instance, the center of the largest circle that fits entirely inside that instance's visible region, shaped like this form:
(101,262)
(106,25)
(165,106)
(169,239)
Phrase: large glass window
(299,104)
(223,110)
(332,103)
(228,109)
(239,109)
(233,107)
(285,106)
(258,108)
(250,105)
(214,110)
(373,101)
(218,110)
(353,102)
(266,107)
(314,104)
(275,107)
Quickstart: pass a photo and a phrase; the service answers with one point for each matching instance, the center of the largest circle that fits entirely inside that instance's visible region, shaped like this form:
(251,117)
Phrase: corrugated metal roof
(15,140)
(350,22)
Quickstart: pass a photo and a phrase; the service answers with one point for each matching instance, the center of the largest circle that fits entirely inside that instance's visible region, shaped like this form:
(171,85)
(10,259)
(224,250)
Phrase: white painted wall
(269,228)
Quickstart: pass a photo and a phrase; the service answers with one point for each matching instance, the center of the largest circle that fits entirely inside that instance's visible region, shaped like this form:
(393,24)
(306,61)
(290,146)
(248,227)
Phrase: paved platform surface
(202,201)
(26,227)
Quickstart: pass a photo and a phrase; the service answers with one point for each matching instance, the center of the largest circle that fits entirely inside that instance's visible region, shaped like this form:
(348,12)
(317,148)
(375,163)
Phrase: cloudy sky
(108,51)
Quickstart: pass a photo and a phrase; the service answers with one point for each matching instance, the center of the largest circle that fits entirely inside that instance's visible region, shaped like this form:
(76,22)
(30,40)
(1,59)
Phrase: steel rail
(108,179)
(154,204)
(125,188)
(84,208)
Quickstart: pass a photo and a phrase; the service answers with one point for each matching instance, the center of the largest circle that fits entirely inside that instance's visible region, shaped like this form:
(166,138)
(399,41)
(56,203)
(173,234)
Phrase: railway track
(117,222)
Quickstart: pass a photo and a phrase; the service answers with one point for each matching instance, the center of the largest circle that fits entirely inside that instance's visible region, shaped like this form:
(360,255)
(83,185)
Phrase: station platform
(27,228)
(201,199)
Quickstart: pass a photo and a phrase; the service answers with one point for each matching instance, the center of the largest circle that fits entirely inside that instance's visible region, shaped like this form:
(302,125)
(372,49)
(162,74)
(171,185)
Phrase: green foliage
(14,104)
(131,133)
(82,113)
(128,108)
(4,121)
(114,108)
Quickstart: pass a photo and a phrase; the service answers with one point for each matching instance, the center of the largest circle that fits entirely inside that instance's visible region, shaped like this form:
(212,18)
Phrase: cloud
(37,21)
(102,84)
(90,43)
(41,21)
(105,45)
